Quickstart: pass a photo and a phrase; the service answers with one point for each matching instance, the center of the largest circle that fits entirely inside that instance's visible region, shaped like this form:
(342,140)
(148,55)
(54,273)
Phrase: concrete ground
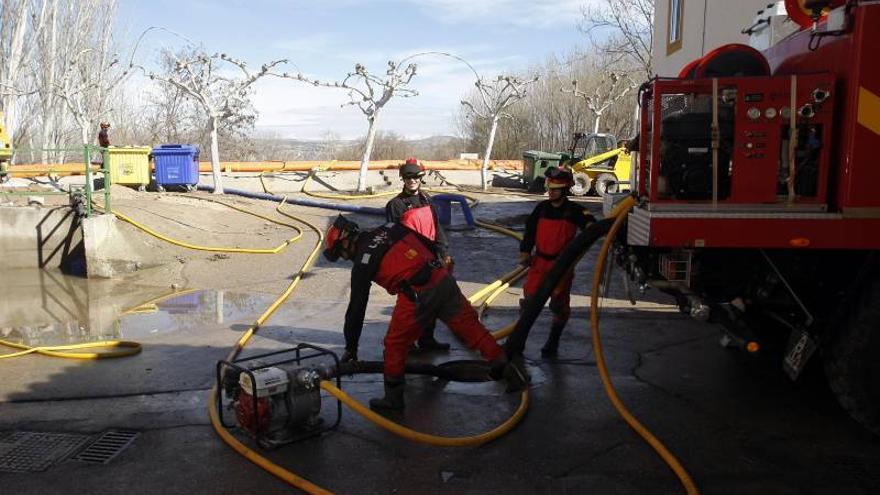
(737,425)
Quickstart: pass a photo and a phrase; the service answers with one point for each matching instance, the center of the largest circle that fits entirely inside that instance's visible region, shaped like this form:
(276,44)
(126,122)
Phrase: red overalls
(421,220)
(425,292)
(551,237)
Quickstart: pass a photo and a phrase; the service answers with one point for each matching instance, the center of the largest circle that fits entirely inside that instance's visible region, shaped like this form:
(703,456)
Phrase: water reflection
(193,310)
(44,307)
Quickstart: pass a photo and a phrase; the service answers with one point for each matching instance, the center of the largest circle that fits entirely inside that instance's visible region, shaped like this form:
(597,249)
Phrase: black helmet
(412,168)
(342,228)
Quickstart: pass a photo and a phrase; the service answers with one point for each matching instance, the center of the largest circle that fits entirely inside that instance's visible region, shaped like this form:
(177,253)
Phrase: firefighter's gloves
(348,356)
(512,370)
(449,263)
(525,258)
(515,374)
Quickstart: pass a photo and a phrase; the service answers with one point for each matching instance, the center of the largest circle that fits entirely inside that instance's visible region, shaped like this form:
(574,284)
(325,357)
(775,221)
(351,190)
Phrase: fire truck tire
(582,183)
(605,184)
(852,361)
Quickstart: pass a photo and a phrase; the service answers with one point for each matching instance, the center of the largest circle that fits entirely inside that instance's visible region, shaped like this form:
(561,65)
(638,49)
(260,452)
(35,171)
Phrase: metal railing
(79,195)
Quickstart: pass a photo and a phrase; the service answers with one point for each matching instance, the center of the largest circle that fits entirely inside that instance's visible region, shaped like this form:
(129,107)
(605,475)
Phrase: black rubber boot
(551,347)
(393,400)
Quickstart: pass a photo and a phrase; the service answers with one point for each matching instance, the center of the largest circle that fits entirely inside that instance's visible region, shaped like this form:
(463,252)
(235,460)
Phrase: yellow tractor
(599,163)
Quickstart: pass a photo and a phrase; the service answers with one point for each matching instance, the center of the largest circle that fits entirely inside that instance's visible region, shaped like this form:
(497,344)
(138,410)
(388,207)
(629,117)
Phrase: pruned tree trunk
(370,94)
(484,169)
(368,150)
(215,156)
(596,122)
(84,132)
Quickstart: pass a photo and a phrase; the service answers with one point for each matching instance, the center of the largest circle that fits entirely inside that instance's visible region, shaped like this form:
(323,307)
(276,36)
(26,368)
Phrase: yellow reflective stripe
(869,110)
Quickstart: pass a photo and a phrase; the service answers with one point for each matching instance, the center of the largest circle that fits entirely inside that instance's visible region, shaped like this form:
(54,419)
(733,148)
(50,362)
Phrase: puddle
(45,307)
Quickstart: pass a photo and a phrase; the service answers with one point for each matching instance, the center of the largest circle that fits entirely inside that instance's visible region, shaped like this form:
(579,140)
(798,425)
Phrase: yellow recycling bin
(129,165)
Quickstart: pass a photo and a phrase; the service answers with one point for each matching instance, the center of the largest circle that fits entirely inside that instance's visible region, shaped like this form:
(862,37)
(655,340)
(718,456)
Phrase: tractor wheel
(581,185)
(852,359)
(606,184)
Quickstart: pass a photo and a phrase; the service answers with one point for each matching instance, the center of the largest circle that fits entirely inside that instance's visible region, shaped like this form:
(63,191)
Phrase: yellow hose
(620,213)
(416,436)
(249,454)
(149,306)
(128,349)
(165,238)
(298,481)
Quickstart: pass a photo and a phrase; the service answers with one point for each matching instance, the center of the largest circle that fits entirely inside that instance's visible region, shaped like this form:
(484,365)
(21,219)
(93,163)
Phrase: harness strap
(548,257)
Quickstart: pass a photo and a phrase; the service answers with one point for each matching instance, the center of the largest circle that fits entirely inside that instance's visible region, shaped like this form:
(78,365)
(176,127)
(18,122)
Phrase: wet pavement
(736,424)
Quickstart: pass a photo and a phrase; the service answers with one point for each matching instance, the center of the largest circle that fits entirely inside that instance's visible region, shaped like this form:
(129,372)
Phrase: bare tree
(89,71)
(611,87)
(494,99)
(222,96)
(623,29)
(15,35)
(370,93)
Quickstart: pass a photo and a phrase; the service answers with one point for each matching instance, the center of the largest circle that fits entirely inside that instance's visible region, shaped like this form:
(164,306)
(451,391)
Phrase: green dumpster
(535,163)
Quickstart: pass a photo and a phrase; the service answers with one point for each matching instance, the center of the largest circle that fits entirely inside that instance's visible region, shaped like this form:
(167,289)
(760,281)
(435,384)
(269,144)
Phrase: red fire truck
(756,204)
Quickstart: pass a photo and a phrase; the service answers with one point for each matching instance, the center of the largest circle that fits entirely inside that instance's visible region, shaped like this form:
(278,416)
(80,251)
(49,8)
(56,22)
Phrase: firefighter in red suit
(550,227)
(413,208)
(404,263)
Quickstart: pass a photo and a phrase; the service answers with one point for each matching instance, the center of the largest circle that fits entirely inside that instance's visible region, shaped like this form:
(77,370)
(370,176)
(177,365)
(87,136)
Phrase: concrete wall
(108,252)
(40,237)
(706,25)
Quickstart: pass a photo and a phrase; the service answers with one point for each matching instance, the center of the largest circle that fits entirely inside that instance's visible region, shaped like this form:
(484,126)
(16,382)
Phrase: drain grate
(110,444)
(28,451)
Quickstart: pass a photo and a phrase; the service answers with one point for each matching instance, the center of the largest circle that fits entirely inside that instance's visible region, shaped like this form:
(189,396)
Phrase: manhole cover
(27,451)
(107,446)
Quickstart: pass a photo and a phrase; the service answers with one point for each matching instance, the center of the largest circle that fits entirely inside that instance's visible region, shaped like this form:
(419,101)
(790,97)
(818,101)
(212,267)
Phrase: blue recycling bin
(443,203)
(176,165)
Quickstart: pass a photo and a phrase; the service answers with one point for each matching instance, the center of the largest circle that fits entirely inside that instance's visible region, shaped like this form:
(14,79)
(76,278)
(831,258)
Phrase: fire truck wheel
(605,184)
(582,183)
(852,360)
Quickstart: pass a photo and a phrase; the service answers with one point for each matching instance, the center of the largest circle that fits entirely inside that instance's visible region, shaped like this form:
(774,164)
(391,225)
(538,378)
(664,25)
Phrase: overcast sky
(324,39)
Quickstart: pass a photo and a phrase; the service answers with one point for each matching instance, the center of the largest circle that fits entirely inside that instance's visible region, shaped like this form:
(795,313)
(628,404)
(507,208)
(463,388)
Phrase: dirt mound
(124,192)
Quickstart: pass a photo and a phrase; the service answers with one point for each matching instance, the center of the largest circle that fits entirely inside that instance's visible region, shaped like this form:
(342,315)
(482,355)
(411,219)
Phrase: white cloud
(534,13)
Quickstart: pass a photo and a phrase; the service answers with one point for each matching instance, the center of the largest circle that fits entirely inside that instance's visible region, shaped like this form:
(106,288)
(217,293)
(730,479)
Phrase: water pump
(276,397)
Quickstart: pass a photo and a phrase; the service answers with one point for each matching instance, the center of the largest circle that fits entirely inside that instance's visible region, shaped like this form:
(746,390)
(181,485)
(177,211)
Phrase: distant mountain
(385,147)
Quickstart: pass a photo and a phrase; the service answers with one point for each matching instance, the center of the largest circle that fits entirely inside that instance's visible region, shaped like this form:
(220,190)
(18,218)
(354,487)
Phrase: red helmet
(558,178)
(412,168)
(342,228)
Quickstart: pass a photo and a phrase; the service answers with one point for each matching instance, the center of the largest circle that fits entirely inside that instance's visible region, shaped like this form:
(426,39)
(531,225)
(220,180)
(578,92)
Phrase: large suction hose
(565,262)
(367,210)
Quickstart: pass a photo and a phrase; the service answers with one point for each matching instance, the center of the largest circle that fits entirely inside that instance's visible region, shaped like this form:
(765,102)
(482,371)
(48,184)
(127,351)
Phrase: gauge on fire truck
(754,113)
(770,113)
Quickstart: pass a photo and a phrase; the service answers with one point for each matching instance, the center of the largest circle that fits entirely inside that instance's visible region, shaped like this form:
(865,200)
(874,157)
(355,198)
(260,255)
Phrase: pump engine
(277,398)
